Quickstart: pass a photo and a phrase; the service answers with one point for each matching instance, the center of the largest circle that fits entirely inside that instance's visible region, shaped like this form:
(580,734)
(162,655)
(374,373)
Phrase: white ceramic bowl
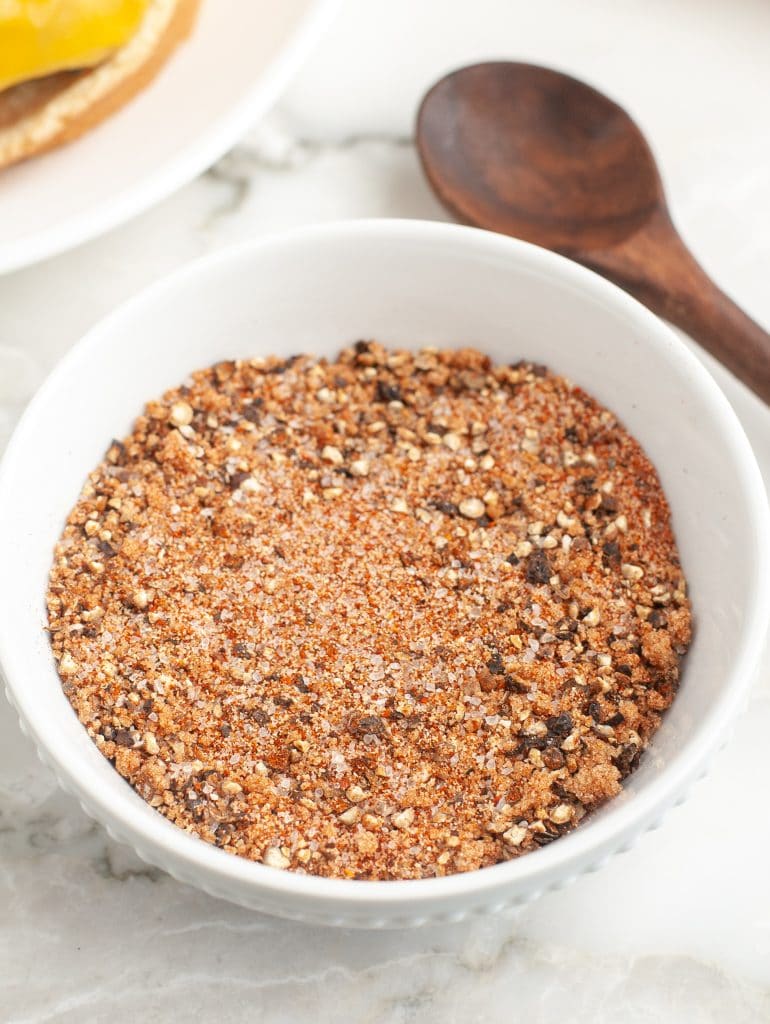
(404,283)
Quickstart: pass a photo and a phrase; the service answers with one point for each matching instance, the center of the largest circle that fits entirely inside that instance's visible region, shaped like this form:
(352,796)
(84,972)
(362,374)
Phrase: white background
(678,930)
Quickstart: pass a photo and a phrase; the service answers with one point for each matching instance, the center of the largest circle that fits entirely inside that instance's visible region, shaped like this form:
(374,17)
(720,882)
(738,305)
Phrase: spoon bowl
(545,157)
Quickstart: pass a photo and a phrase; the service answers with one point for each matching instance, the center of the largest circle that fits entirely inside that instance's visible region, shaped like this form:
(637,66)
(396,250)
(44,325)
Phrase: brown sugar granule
(395,616)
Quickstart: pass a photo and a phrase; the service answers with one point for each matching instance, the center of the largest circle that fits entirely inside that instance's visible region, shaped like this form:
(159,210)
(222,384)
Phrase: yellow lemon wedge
(40,37)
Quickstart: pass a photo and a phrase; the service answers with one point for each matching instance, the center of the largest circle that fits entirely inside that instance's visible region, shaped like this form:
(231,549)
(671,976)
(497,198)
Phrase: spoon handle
(657,268)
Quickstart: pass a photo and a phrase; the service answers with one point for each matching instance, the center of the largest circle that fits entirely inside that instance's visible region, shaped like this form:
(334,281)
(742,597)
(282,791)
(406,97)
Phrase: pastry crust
(35,116)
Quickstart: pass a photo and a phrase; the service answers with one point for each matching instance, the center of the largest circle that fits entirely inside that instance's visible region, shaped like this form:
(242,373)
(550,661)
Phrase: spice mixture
(394,616)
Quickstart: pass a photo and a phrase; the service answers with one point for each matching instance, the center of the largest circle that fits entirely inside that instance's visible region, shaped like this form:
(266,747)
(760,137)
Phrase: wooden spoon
(529,152)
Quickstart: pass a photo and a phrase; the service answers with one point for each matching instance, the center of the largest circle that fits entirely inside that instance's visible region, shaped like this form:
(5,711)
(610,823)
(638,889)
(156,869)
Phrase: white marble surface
(678,930)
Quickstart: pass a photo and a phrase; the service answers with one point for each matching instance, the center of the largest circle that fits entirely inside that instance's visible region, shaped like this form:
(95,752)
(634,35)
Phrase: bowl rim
(624,820)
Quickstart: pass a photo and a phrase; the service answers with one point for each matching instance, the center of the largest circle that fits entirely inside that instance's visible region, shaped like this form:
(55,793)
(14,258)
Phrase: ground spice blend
(393,616)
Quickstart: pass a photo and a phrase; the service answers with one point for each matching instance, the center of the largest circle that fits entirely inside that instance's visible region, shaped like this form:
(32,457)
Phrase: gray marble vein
(274,152)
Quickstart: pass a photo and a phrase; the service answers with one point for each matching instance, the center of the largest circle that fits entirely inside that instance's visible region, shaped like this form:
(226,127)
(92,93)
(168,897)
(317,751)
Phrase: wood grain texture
(533,153)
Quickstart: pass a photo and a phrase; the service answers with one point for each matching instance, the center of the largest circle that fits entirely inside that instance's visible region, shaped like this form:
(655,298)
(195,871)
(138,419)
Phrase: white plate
(231,70)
